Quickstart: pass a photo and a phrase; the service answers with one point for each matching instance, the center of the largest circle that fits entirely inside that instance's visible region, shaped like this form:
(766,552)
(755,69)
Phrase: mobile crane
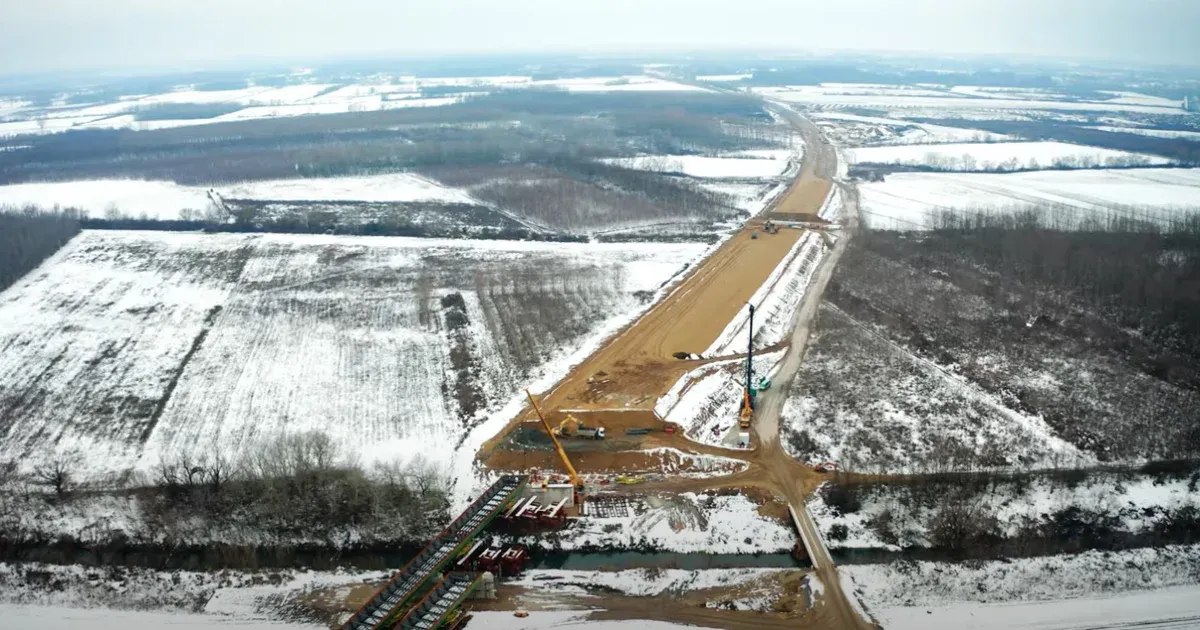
(575,480)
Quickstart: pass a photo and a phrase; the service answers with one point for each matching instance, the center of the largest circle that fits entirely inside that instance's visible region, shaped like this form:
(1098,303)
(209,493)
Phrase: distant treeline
(29,237)
(296,227)
(1183,150)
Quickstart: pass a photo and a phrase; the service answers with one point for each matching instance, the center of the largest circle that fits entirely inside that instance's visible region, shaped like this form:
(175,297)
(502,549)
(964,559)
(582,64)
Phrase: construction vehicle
(748,392)
(575,480)
(570,426)
(747,411)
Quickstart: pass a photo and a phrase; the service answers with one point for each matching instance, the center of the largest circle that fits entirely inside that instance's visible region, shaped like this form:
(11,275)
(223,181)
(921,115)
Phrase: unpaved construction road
(636,367)
(780,467)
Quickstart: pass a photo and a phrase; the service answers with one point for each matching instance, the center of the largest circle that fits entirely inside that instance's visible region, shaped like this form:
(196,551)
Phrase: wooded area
(1095,329)
(481,130)
(28,236)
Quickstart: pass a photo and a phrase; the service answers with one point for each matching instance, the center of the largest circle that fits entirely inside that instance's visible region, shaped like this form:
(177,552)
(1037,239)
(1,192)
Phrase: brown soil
(527,446)
(797,217)
(331,604)
(770,504)
(636,367)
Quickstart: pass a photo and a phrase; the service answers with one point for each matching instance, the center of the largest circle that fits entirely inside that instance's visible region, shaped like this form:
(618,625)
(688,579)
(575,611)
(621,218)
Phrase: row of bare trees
(296,489)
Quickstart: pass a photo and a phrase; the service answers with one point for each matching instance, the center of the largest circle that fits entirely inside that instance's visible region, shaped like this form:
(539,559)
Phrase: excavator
(570,426)
(575,480)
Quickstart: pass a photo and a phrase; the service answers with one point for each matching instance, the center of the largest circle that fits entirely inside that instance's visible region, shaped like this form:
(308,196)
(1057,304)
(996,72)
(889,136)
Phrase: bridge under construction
(418,596)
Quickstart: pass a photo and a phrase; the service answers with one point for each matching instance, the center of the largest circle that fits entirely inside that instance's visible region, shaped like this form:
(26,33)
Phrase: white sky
(37,35)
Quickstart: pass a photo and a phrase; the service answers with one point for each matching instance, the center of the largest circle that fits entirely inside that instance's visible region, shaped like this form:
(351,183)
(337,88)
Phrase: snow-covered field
(855,130)
(742,165)
(156,199)
(166,200)
(1007,156)
(684,523)
(125,348)
(722,78)
(904,200)
(1088,590)
(541,620)
(1138,505)
(643,582)
(397,187)
(906,98)
(258,102)
(750,198)
(120,597)
(70,618)
(1168,608)
(1155,133)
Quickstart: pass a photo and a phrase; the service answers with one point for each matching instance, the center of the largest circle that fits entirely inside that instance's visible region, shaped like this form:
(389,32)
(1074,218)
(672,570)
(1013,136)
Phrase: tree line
(29,236)
(293,490)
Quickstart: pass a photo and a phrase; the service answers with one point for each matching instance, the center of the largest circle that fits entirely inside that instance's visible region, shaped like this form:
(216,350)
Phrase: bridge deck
(405,582)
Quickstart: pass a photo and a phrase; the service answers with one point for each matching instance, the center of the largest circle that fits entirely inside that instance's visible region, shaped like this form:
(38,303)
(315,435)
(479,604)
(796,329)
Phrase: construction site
(593,444)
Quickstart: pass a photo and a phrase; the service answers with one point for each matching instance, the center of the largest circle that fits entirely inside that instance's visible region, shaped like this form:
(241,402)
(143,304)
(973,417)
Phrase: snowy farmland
(854,130)
(957,103)
(904,200)
(1003,156)
(263,102)
(128,347)
(762,164)
(167,200)
(1143,588)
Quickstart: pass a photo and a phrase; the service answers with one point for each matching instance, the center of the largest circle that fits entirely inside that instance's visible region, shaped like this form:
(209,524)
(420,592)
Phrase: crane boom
(575,481)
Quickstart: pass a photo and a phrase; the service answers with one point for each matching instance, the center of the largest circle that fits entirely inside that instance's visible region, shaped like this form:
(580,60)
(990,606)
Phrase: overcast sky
(38,35)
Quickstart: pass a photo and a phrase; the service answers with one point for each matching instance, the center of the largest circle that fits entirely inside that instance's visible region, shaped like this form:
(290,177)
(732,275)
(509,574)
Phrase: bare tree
(218,472)
(58,474)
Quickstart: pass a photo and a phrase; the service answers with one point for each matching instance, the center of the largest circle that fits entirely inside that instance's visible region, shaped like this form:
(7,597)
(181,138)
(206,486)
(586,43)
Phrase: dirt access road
(778,466)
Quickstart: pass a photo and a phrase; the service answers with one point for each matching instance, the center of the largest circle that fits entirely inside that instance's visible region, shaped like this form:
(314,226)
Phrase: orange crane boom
(575,481)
